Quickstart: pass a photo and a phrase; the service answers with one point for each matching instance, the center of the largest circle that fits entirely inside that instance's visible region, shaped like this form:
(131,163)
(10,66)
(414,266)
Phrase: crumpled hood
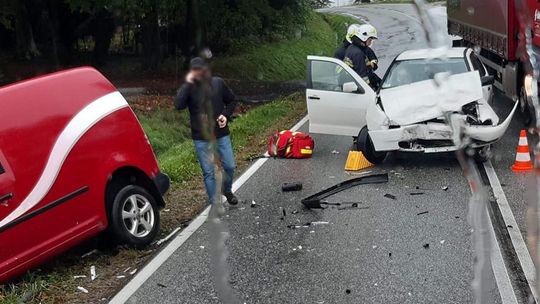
(421,101)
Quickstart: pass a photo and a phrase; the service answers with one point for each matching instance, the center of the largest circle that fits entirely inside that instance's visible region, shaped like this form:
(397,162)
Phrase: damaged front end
(412,117)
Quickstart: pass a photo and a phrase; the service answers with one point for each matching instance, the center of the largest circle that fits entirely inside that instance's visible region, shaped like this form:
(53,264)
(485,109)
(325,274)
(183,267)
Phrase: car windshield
(411,71)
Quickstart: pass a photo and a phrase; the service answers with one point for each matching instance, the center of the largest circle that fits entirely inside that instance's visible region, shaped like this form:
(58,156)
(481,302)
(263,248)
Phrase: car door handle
(6,197)
(314,97)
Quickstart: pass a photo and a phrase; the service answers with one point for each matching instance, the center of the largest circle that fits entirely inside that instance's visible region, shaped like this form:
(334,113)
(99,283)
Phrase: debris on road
(161,285)
(120,276)
(390,196)
(347,291)
(283,213)
(319,223)
(82,289)
(163,240)
(335,152)
(202,247)
(253,204)
(79,276)
(133,271)
(417,193)
(358,173)
(422,213)
(445,188)
(315,201)
(442,241)
(93,272)
(89,253)
(289,187)
(426,246)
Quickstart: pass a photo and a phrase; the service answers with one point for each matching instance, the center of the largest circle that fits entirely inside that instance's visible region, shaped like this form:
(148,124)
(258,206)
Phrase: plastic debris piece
(168,237)
(166,210)
(390,196)
(82,289)
(253,204)
(120,276)
(133,271)
(79,276)
(424,212)
(315,201)
(417,193)
(374,246)
(300,247)
(445,188)
(289,187)
(127,269)
(389,254)
(202,247)
(347,291)
(426,246)
(442,241)
(93,272)
(335,152)
(320,223)
(294,212)
(161,285)
(89,253)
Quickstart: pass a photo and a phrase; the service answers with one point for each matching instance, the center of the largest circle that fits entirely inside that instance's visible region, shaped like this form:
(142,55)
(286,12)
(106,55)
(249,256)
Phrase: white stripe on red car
(75,129)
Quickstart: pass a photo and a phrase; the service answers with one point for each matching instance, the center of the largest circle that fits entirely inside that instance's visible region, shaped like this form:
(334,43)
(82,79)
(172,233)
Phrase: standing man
(211,104)
(360,57)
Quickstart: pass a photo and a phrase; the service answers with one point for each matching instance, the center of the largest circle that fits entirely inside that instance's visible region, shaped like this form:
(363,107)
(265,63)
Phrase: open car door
(337,98)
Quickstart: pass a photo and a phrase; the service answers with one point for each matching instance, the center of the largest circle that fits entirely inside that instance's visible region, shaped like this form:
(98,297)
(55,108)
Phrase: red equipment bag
(288,144)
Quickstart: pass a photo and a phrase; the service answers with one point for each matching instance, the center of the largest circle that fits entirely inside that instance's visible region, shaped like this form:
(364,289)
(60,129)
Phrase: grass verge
(286,60)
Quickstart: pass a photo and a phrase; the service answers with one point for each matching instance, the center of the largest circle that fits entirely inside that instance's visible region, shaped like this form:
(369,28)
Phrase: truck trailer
(492,28)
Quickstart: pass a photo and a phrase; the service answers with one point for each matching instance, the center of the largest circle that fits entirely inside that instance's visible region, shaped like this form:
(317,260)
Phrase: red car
(74,162)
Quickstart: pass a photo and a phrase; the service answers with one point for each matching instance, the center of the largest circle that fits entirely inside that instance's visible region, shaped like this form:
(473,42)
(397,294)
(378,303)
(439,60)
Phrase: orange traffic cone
(523,158)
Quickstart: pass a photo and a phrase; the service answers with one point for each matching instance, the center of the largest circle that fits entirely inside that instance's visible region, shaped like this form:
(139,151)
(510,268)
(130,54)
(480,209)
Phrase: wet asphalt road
(372,254)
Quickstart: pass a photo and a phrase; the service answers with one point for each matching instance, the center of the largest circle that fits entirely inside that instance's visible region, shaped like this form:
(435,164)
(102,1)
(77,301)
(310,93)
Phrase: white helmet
(365,31)
(353,30)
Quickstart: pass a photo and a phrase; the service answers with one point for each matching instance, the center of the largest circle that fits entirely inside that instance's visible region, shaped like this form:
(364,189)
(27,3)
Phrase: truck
(493,29)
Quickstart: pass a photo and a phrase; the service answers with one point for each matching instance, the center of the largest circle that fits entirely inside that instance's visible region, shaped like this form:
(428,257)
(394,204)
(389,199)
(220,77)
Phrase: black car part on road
(315,201)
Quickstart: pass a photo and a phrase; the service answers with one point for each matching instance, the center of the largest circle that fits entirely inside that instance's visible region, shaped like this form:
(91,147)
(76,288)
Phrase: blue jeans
(205,153)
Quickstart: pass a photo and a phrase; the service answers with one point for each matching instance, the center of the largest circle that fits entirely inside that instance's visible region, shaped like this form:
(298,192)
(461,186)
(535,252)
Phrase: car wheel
(134,217)
(365,145)
(483,154)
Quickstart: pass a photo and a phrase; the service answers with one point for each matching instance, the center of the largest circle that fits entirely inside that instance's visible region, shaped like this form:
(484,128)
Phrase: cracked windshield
(269,151)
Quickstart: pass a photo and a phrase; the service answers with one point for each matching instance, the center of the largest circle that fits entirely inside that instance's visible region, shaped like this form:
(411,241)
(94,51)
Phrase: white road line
(520,247)
(125,293)
(506,290)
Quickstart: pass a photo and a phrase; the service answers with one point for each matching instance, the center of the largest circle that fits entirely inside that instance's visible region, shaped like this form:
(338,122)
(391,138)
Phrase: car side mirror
(488,80)
(351,87)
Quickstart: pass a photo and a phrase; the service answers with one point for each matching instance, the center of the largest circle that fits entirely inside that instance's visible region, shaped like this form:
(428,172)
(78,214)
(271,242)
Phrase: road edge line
(150,268)
(520,247)
(502,278)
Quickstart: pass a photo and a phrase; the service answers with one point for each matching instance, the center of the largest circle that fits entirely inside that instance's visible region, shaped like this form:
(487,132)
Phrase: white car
(418,96)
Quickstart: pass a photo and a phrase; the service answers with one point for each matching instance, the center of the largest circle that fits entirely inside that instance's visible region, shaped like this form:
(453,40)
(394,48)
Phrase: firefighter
(340,53)
(360,57)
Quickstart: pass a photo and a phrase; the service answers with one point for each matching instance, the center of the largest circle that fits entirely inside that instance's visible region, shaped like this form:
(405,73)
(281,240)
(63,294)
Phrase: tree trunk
(151,39)
(25,46)
(103,31)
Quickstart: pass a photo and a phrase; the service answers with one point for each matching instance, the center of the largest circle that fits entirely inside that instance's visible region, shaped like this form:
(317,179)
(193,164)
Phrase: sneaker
(231,198)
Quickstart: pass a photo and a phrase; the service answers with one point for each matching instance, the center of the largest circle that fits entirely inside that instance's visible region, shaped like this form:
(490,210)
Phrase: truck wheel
(483,154)
(365,145)
(134,217)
